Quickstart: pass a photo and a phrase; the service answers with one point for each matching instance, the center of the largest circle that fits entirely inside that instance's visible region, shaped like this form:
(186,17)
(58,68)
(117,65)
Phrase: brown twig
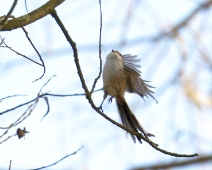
(9,13)
(33,46)
(88,95)
(19,53)
(43,64)
(178,164)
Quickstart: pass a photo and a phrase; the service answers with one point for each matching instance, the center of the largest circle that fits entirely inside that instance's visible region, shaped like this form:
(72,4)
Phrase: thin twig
(59,160)
(19,53)
(10,164)
(27,113)
(100,49)
(9,13)
(43,64)
(69,95)
(12,96)
(46,84)
(22,118)
(48,107)
(23,104)
(7,138)
(41,96)
(25,3)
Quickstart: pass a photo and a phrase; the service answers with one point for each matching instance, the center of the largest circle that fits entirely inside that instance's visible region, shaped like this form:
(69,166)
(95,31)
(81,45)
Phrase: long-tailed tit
(121,74)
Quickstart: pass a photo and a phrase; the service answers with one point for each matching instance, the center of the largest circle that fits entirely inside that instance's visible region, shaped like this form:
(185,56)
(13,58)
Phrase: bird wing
(134,82)
(131,64)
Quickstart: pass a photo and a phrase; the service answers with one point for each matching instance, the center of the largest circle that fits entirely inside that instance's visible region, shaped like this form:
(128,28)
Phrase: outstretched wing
(135,84)
(131,64)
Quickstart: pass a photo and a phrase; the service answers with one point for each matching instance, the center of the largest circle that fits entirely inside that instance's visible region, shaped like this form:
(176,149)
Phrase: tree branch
(178,164)
(88,94)
(32,16)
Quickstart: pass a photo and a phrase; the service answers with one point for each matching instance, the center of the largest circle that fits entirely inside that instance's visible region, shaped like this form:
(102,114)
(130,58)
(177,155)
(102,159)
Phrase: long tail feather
(129,120)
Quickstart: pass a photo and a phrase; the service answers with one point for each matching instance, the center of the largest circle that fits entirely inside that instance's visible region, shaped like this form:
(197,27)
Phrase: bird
(121,74)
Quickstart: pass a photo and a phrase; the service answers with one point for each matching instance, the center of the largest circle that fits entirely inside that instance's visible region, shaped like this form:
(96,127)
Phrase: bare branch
(59,160)
(46,84)
(23,104)
(32,16)
(42,95)
(12,96)
(43,64)
(23,117)
(100,49)
(19,53)
(73,45)
(9,13)
(25,3)
(7,138)
(20,119)
(10,164)
(48,107)
(178,164)
(88,95)
(44,67)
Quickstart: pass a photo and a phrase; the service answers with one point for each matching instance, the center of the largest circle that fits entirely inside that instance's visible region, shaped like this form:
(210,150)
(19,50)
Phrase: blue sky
(179,126)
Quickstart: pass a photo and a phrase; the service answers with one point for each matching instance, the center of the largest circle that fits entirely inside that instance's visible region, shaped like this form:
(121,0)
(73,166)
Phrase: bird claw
(150,135)
(110,100)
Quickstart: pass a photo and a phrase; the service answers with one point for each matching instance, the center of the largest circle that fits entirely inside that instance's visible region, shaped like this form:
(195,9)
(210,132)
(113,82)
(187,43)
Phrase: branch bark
(201,159)
(31,17)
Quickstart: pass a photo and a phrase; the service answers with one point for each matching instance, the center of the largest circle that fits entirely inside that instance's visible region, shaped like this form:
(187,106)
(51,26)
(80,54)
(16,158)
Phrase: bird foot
(110,100)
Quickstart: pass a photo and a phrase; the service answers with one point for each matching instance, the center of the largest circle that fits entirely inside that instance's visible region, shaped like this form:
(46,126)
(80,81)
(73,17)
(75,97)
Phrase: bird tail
(129,120)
